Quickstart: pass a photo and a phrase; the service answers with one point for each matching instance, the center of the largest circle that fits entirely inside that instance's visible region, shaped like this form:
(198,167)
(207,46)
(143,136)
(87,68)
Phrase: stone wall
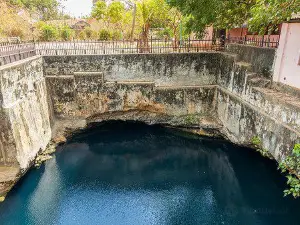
(209,93)
(207,89)
(261,59)
(163,69)
(202,90)
(24,112)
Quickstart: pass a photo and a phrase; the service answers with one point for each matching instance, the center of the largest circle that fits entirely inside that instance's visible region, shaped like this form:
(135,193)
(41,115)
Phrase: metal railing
(259,41)
(11,52)
(78,47)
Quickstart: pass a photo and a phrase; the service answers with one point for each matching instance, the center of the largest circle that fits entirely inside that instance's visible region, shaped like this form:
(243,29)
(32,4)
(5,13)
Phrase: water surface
(134,174)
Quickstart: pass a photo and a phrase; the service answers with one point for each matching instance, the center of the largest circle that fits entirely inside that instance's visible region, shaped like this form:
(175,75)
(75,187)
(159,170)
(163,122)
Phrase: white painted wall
(287,64)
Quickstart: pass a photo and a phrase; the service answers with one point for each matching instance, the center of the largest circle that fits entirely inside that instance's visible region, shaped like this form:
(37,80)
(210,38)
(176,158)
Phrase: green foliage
(291,164)
(89,33)
(104,35)
(82,35)
(48,32)
(267,14)
(165,33)
(296,150)
(256,141)
(191,119)
(116,35)
(261,15)
(220,13)
(47,9)
(294,188)
(265,153)
(115,12)
(99,10)
(66,33)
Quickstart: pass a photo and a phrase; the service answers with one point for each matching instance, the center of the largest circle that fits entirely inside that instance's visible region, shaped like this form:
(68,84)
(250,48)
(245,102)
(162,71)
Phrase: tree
(66,33)
(174,20)
(48,32)
(110,14)
(99,10)
(266,14)
(261,15)
(220,13)
(150,13)
(47,9)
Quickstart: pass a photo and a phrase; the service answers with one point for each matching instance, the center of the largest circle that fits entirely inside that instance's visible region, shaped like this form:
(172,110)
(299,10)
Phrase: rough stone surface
(207,93)
(163,69)
(24,111)
(261,59)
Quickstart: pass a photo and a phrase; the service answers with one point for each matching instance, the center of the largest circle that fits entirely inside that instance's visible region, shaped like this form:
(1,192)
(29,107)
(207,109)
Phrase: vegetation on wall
(291,164)
(256,142)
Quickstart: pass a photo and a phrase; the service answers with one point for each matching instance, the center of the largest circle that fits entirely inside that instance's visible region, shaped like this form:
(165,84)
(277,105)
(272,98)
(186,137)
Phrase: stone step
(179,87)
(281,106)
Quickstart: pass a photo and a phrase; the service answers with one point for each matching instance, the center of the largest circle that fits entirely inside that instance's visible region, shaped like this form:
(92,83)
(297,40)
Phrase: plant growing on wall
(256,142)
(291,164)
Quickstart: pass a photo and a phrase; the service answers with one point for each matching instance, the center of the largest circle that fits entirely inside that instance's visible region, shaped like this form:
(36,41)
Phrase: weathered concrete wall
(24,112)
(215,87)
(242,121)
(261,59)
(209,92)
(177,84)
(163,69)
(84,96)
(207,89)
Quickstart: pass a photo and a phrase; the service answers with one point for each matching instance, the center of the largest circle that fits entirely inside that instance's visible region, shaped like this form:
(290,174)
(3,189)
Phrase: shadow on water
(132,173)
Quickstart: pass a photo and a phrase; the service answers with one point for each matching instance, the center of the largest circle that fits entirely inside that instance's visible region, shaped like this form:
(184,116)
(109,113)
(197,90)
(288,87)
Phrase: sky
(77,8)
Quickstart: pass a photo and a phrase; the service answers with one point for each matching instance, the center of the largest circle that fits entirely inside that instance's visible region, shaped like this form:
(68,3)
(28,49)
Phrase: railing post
(151,44)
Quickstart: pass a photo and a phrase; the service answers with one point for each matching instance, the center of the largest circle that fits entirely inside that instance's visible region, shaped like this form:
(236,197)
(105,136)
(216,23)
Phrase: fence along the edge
(10,52)
(78,47)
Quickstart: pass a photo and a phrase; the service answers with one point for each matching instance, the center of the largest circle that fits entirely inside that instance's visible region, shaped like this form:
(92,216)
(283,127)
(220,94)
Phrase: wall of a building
(237,32)
(287,65)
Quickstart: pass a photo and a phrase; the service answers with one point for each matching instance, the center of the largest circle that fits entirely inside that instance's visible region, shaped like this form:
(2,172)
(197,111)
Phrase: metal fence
(259,41)
(11,52)
(125,47)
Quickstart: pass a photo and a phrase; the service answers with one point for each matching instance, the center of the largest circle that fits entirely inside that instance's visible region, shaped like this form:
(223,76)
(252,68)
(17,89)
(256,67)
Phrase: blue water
(130,173)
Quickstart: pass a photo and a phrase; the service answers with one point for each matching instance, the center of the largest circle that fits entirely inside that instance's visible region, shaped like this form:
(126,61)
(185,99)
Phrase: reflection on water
(129,173)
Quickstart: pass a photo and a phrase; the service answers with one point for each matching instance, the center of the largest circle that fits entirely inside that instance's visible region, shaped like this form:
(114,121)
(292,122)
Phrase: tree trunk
(175,43)
(145,39)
